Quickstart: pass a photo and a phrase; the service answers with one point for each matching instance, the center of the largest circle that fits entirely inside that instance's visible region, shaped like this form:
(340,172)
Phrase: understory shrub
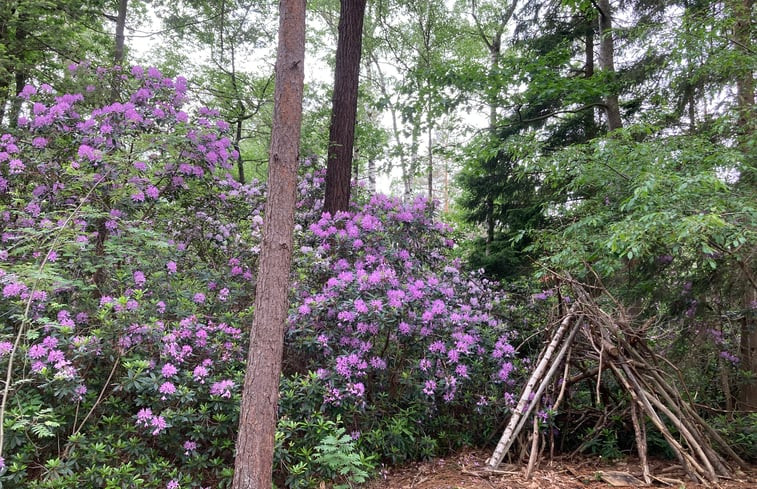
(740,431)
(392,324)
(126,266)
(126,255)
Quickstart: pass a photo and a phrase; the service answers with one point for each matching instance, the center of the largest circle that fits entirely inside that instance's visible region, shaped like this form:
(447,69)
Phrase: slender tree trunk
(257,418)
(20,82)
(356,164)
(490,224)
(372,175)
(4,96)
(407,183)
(118,52)
(607,62)
(446,187)
(237,140)
(344,105)
(414,164)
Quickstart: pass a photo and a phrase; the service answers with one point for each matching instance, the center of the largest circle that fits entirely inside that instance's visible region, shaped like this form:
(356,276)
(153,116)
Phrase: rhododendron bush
(126,267)
(126,276)
(386,316)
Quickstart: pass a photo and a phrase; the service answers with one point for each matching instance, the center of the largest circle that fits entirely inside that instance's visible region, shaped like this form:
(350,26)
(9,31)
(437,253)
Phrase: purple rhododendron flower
(168,370)
(139,278)
(222,388)
(167,388)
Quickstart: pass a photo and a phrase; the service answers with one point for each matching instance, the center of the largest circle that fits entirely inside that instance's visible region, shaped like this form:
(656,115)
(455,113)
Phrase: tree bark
(118,48)
(118,51)
(257,419)
(237,147)
(344,105)
(607,62)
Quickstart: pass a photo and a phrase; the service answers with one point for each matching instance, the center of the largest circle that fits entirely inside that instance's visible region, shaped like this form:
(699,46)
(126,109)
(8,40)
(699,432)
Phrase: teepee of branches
(618,347)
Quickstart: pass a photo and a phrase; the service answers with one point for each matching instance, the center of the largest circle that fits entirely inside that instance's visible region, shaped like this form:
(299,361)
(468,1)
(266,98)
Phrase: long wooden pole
(525,404)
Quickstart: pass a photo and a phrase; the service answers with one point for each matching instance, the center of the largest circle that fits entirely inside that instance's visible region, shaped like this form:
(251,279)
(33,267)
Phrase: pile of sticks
(619,348)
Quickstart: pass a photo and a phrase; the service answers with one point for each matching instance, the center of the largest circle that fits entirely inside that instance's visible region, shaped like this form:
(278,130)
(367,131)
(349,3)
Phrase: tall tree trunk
(607,62)
(742,34)
(344,105)
(237,146)
(20,82)
(257,418)
(414,163)
(490,224)
(118,51)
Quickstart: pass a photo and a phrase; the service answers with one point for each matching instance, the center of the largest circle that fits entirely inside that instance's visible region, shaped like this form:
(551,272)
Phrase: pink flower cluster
(385,300)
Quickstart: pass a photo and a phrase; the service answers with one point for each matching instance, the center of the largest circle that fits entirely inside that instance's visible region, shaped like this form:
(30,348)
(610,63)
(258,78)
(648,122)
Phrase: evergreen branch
(521,120)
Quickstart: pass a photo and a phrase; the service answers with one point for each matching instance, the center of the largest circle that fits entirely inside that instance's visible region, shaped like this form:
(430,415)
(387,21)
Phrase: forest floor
(464,471)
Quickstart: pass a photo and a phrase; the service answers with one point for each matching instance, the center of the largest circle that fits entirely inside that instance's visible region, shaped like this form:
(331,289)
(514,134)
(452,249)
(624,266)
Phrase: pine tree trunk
(118,52)
(344,106)
(607,62)
(257,418)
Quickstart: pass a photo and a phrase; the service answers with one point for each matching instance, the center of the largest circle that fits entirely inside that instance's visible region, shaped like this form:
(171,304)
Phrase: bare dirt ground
(465,471)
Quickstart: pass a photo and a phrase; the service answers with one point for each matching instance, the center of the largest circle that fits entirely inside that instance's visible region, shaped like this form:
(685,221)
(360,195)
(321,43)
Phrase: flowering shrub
(389,320)
(126,255)
(126,272)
